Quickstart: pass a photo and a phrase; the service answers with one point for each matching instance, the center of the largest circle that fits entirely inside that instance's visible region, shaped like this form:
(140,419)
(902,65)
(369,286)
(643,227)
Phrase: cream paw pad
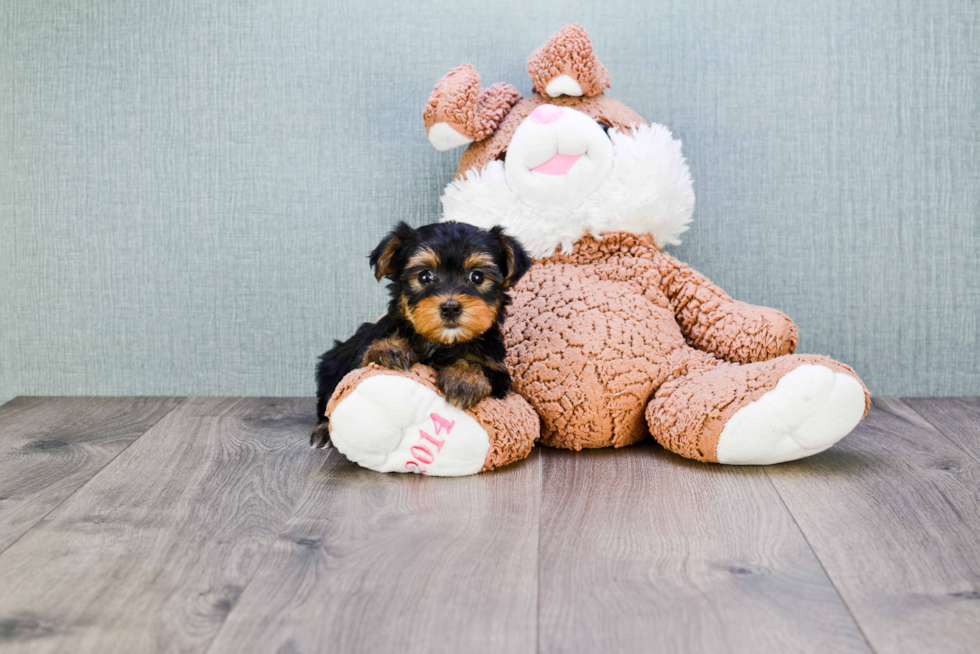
(393,421)
(810,409)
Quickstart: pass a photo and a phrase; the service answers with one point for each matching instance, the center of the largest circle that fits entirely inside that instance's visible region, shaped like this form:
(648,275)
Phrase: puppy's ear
(382,259)
(516,258)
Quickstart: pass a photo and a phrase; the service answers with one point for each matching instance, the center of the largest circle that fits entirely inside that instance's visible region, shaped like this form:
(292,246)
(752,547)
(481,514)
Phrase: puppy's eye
(476,277)
(425,277)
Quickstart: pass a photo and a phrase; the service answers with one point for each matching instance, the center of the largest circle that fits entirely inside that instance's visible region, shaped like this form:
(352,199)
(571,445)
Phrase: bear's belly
(588,354)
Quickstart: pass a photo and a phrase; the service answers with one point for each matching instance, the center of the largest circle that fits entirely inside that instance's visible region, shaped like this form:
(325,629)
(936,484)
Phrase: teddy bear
(610,339)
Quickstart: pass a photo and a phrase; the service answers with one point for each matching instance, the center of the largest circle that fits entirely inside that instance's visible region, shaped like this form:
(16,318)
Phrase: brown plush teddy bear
(609,337)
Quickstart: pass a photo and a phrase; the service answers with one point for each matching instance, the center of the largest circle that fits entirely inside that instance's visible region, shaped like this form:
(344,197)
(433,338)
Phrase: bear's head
(563,163)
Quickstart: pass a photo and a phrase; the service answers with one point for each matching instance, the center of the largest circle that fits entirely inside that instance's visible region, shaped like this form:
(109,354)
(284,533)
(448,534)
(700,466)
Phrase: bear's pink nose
(546,113)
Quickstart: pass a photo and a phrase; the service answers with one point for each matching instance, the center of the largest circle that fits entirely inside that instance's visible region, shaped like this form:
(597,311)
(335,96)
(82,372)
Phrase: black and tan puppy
(449,298)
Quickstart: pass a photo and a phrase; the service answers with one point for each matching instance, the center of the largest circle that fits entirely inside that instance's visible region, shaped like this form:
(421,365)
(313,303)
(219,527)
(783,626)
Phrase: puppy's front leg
(391,352)
(498,377)
(463,383)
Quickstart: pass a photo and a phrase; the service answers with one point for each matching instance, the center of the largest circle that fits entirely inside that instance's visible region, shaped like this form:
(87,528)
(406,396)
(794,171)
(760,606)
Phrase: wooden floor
(208,525)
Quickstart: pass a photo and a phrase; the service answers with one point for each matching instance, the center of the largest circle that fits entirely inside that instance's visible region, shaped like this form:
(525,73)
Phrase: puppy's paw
(393,353)
(463,384)
(321,435)
(466,395)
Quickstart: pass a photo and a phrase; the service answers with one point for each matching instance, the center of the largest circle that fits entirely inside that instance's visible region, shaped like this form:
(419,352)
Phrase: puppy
(449,298)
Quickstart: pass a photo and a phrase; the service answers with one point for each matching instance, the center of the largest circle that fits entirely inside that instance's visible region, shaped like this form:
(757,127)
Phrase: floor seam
(537,620)
(333,452)
(816,556)
(89,480)
(938,429)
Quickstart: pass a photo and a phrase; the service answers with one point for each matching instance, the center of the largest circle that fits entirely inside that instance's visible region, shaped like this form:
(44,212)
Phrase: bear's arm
(714,322)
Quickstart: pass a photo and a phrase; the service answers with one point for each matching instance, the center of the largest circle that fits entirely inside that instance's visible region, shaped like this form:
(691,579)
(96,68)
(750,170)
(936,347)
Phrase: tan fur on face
(426,317)
(424,258)
(478,260)
(477,317)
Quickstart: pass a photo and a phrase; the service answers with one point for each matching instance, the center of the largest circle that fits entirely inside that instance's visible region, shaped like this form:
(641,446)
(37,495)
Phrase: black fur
(453,243)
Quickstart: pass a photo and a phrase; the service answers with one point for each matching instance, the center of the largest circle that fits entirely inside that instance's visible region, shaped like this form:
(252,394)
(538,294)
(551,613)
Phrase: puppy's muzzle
(451,309)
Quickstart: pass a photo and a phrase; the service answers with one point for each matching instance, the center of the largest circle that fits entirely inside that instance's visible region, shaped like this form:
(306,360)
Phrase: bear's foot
(760,413)
(393,421)
(811,408)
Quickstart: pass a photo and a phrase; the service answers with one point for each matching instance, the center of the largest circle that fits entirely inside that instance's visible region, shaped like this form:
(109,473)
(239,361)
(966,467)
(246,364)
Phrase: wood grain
(957,418)
(398,563)
(642,551)
(154,551)
(219,530)
(49,447)
(893,513)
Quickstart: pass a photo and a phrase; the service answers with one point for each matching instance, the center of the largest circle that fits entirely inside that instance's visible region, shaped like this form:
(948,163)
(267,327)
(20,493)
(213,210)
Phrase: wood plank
(956,418)
(50,446)
(643,551)
(152,553)
(893,513)
(398,563)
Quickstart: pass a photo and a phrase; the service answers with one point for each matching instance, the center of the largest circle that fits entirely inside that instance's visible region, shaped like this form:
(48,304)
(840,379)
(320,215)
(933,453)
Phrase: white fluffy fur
(649,191)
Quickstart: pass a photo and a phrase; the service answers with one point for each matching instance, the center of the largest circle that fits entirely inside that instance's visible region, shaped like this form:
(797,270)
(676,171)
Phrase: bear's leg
(393,421)
(759,413)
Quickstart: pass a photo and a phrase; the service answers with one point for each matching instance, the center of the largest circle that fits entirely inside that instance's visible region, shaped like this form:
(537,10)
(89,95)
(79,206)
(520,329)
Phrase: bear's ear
(460,111)
(566,65)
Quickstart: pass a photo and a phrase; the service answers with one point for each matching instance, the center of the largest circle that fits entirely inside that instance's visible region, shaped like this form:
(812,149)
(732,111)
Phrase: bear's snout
(545,114)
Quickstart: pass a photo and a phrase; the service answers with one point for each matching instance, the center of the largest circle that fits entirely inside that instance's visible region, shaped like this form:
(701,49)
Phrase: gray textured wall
(188,189)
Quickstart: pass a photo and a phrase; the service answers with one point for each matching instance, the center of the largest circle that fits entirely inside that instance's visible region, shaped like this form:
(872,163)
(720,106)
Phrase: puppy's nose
(450,309)
(546,113)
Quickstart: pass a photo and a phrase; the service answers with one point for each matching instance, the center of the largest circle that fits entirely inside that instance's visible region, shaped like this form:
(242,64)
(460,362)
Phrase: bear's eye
(426,277)
(476,277)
